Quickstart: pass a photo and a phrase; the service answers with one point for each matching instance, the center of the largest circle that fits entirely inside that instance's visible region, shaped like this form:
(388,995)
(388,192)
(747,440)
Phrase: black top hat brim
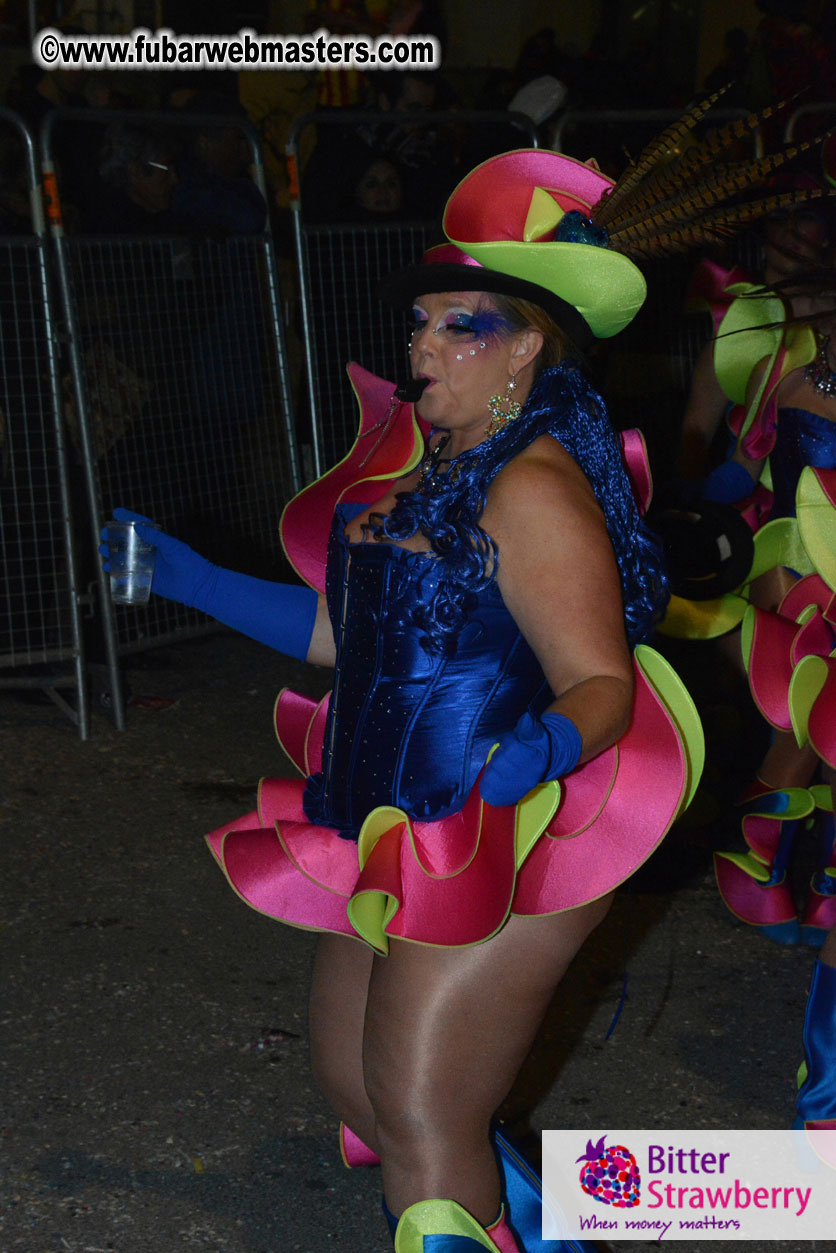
(402,287)
(709,548)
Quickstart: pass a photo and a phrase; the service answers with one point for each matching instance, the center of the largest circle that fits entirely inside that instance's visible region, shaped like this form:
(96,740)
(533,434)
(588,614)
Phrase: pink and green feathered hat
(518,225)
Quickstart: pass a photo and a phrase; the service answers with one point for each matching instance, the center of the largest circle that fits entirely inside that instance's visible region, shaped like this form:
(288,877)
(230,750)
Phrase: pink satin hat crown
(493,201)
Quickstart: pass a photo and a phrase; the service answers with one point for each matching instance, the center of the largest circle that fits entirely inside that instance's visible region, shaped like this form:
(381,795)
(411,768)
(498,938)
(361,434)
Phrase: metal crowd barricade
(177,388)
(40,627)
(340,264)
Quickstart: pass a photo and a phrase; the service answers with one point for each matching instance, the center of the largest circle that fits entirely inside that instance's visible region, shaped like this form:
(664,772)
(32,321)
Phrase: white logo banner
(689,1185)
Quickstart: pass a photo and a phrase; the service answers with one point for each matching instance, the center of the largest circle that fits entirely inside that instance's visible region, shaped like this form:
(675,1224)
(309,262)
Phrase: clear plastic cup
(131,564)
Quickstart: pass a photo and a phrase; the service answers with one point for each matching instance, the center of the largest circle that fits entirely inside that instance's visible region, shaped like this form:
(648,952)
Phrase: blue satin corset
(407,726)
(801,439)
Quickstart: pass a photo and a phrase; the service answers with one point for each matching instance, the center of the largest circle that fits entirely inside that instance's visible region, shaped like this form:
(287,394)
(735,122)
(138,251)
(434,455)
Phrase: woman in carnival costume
(776,367)
(793,243)
(769,364)
(492,761)
(788,611)
(778,370)
(796,241)
(790,656)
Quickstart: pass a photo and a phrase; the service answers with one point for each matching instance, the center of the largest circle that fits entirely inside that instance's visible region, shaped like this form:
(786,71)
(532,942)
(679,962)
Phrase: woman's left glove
(537,750)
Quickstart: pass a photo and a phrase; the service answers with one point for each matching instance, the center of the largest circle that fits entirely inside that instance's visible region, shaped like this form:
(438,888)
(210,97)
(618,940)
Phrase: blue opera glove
(538,749)
(280,615)
(727,484)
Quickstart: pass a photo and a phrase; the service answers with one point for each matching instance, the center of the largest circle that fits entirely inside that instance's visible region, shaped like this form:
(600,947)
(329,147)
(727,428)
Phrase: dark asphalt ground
(156,1094)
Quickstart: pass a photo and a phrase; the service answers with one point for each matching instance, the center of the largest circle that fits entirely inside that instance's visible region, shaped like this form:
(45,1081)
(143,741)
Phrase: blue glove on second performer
(728,483)
(280,615)
(537,750)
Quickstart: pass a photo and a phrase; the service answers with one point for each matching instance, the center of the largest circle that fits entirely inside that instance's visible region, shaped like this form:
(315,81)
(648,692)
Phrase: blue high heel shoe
(816,1104)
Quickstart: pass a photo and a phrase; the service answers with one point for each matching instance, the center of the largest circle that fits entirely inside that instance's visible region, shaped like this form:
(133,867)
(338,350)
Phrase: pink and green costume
(752,330)
(385,834)
(789,657)
(779,648)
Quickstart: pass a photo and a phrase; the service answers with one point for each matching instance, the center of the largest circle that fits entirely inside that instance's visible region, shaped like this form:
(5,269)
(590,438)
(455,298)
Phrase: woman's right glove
(281,615)
(537,750)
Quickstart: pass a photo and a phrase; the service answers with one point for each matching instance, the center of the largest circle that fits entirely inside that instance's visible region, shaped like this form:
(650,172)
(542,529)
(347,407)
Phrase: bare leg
(446,1033)
(769,590)
(337,1018)
(828,951)
(787,765)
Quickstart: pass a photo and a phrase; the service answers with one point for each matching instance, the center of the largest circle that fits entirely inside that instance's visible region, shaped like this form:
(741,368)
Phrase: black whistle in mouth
(411,391)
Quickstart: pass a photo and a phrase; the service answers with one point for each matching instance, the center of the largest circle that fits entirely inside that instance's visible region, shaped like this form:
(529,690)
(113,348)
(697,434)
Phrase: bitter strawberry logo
(610,1174)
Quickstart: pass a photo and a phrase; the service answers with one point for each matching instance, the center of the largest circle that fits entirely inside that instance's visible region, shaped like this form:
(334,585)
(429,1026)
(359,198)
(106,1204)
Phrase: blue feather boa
(564,405)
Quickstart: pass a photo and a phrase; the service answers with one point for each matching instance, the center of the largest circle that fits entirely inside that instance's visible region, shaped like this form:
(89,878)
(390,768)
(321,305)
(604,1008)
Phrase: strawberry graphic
(610,1174)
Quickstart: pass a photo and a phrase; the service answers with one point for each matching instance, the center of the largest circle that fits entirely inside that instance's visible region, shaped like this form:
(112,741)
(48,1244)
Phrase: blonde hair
(524,313)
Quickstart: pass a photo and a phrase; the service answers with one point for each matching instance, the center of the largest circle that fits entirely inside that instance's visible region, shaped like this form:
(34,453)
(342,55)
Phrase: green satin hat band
(605,287)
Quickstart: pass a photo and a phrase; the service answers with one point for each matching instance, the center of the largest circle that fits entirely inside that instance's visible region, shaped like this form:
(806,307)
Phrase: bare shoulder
(542,479)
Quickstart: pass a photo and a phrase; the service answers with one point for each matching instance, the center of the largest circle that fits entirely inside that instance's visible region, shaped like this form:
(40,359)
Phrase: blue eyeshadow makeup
(482,324)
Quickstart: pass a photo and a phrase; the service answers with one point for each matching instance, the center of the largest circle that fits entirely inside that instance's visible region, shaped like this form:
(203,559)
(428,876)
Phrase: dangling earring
(503,409)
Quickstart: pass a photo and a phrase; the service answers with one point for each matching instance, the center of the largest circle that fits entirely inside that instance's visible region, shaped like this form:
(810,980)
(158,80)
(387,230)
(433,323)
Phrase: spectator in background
(192,179)
(378,190)
(426,156)
(215,192)
(428,152)
(137,166)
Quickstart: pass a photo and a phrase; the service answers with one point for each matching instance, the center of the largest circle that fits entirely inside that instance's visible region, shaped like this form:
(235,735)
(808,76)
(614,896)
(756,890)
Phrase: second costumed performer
(500,750)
